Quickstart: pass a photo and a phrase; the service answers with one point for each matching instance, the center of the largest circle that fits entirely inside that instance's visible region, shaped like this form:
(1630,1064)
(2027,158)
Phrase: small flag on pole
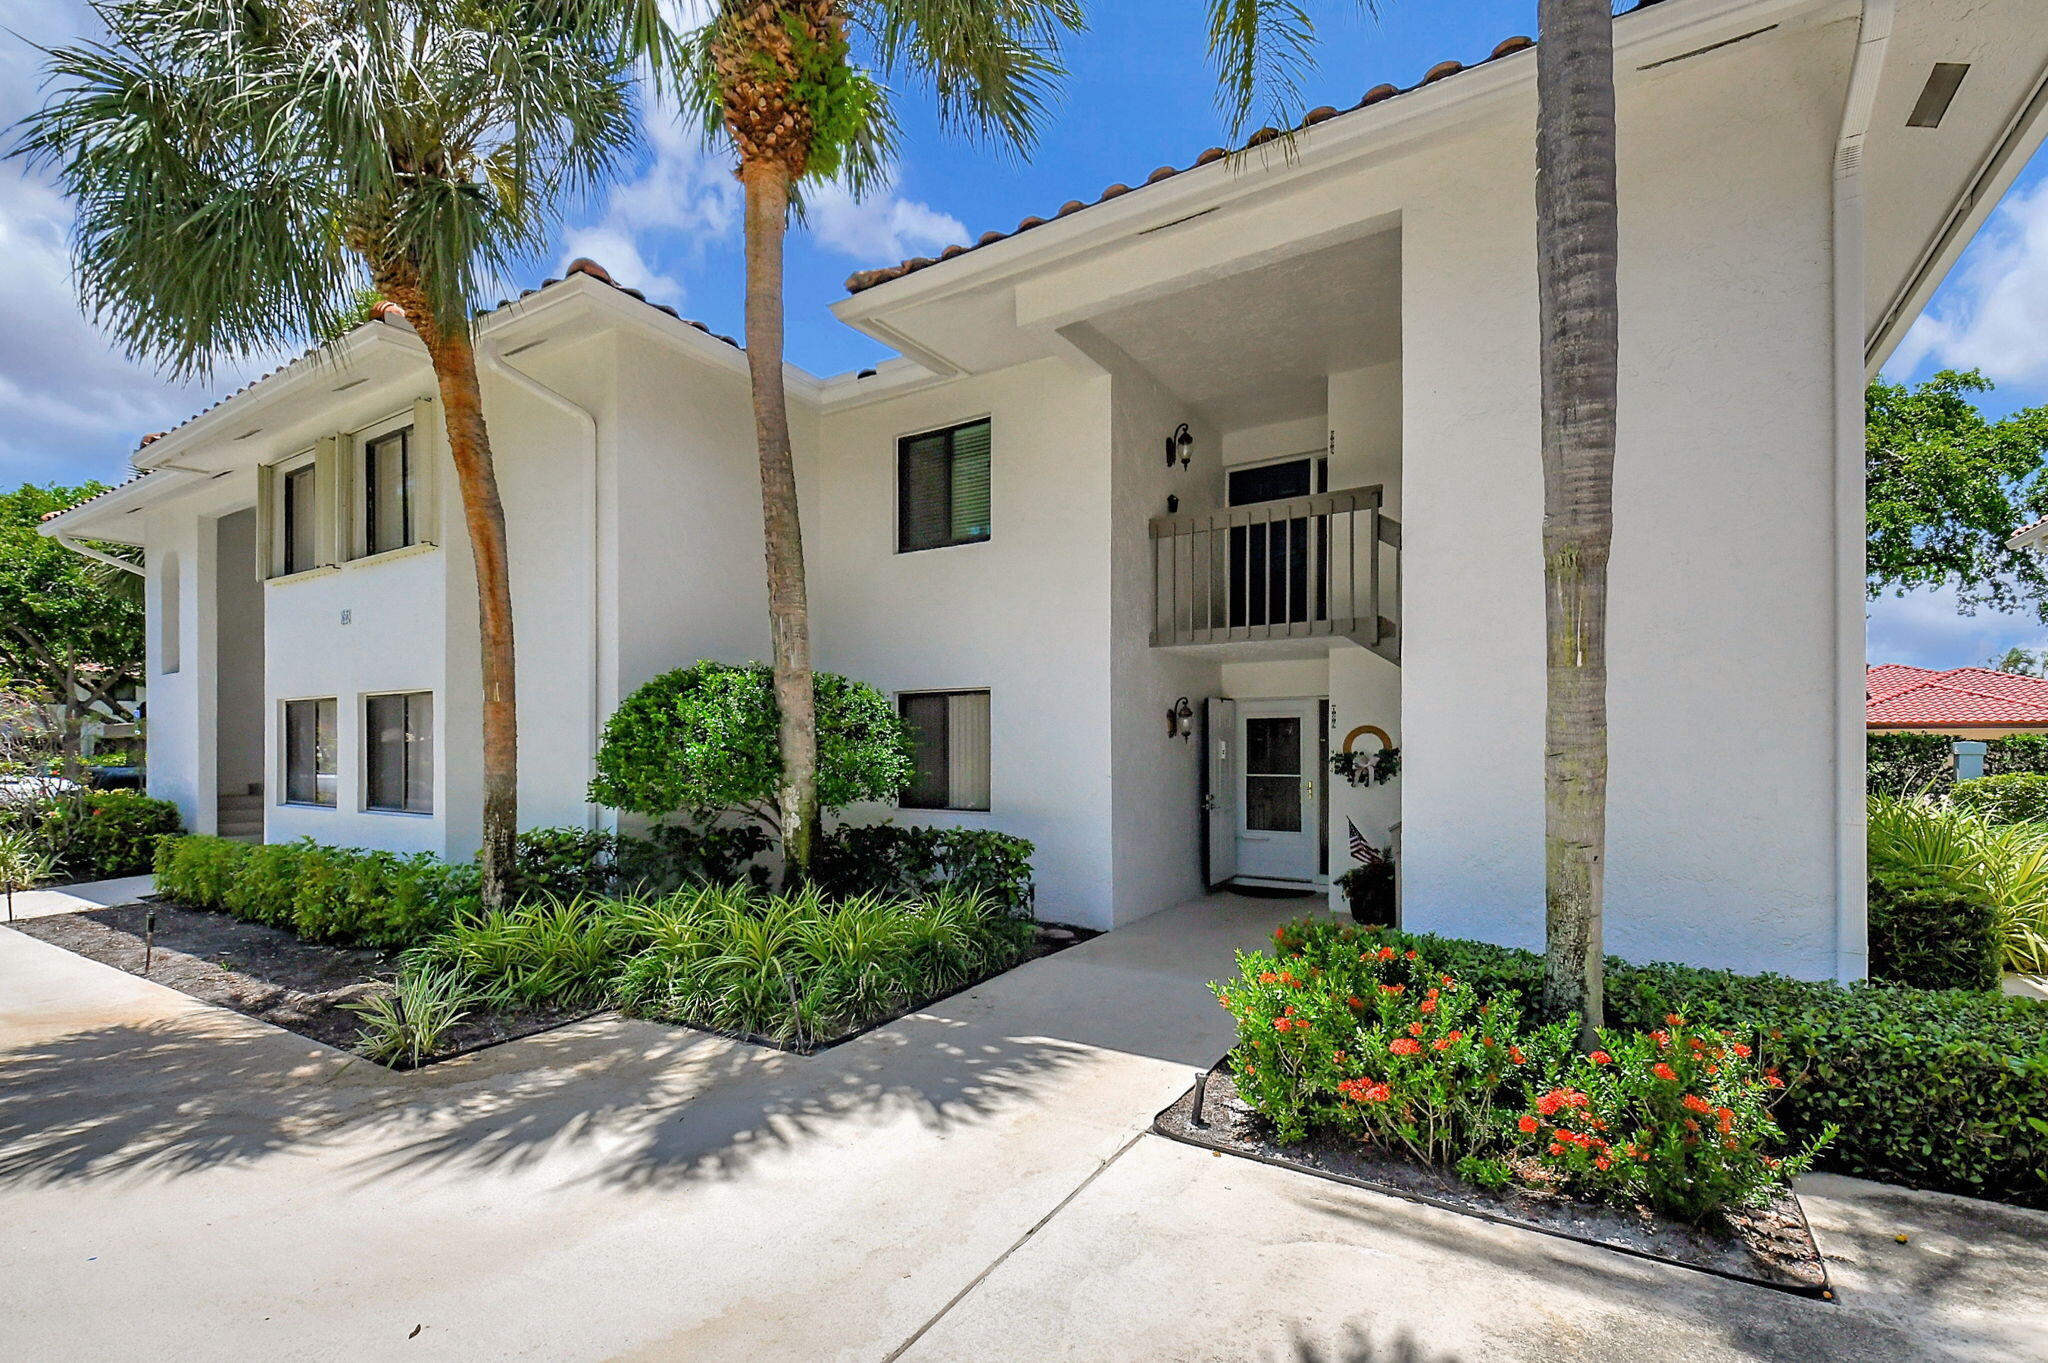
(1361,850)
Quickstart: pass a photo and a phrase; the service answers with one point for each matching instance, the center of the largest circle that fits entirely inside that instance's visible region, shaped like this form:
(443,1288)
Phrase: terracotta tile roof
(2026,530)
(867,279)
(1902,697)
(104,492)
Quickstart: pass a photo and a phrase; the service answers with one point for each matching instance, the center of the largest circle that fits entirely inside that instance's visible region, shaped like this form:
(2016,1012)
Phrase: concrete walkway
(89,894)
(178,1182)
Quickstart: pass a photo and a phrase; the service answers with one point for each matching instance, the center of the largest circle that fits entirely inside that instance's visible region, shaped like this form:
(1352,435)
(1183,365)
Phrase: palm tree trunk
(767,188)
(1578,245)
(483,514)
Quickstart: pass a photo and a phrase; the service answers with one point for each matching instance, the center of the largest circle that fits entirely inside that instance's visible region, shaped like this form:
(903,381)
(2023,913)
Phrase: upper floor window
(298,518)
(942,488)
(388,492)
(949,745)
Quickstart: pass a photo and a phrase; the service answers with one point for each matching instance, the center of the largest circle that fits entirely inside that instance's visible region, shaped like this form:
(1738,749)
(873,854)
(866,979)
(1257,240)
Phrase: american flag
(1361,850)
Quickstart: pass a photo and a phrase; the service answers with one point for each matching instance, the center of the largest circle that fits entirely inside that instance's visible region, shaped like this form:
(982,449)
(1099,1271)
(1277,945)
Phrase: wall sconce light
(1178,446)
(1180,720)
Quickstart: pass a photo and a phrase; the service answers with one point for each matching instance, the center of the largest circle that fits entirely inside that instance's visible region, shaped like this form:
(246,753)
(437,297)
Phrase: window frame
(947,693)
(284,753)
(363,514)
(368,746)
(305,462)
(948,430)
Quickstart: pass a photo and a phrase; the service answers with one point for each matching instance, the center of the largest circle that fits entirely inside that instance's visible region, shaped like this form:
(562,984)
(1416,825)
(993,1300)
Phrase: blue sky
(1139,96)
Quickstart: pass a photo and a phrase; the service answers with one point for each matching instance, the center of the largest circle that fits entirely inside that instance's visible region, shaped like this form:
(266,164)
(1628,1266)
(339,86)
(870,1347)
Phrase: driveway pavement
(178,1182)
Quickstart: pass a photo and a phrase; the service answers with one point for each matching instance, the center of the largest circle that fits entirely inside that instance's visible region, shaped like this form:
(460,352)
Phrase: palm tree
(780,81)
(243,168)
(1577,247)
(1260,48)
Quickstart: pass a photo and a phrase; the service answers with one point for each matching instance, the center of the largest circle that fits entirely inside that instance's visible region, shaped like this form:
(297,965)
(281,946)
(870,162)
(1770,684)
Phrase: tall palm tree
(1577,248)
(242,168)
(782,82)
(1260,48)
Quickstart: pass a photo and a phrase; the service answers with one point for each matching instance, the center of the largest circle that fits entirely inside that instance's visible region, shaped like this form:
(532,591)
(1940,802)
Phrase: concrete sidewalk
(178,1182)
(89,894)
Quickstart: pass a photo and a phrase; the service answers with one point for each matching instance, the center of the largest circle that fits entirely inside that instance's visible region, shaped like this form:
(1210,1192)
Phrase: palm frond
(1262,51)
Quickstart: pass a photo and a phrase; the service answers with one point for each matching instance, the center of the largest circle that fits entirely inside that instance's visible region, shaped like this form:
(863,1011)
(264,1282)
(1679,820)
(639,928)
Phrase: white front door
(1279,830)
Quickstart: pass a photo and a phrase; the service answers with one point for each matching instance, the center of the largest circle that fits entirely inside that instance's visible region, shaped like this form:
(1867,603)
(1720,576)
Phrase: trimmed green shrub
(2015,797)
(100,834)
(1942,1089)
(199,871)
(1906,764)
(336,894)
(2016,753)
(910,862)
(672,856)
(565,862)
(701,741)
(1928,932)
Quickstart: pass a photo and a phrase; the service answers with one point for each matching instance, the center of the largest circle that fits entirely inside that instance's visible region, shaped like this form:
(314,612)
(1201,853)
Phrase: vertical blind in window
(301,537)
(309,751)
(387,492)
(401,752)
(949,740)
(942,488)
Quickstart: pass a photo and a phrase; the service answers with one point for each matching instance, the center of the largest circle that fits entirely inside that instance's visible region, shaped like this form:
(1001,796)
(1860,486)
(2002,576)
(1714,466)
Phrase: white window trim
(284,757)
(357,473)
(949,691)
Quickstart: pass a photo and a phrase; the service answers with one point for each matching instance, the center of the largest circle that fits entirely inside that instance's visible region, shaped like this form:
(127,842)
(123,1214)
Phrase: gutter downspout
(495,363)
(97,556)
(1850,322)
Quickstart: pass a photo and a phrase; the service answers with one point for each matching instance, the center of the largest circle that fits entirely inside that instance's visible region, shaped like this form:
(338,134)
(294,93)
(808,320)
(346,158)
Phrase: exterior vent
(1939,92)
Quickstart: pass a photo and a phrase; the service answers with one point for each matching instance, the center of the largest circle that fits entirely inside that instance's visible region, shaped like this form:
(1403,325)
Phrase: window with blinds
(942,488)
(388,492)
(301,538)
(310,751)
(949,743)
(400,774)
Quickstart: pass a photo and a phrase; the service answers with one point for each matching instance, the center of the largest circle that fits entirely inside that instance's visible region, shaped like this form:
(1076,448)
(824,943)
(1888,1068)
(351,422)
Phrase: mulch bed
(267,973)
(1768,1246)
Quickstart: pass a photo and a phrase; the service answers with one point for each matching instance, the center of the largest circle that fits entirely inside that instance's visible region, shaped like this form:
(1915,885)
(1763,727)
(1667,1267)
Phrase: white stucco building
(1262,436)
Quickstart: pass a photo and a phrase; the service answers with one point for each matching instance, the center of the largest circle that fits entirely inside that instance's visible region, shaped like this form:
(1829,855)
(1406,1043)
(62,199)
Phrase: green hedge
(1942,1089)
(1906,764)
(100,834)
(909,862)
(2014,797)
(1929,933)
(328,894)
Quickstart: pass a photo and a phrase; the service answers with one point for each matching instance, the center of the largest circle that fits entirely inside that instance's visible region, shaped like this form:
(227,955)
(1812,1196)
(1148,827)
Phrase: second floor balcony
(1321,566)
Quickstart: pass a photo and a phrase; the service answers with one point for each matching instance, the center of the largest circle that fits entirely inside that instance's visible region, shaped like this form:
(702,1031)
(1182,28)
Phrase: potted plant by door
(1369,887)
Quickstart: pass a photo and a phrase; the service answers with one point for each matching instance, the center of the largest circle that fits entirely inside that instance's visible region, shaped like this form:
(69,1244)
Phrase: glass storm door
(1279,828)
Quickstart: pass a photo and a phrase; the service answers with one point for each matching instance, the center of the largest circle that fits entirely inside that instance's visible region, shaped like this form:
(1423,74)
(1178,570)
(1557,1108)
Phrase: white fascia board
(1399,125)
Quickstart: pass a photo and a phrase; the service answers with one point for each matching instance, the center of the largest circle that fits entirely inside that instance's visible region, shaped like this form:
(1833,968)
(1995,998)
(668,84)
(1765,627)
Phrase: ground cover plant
(1941,1089)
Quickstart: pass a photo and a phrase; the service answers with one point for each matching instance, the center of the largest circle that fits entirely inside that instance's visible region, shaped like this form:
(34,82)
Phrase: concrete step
(227,802)
(236,828)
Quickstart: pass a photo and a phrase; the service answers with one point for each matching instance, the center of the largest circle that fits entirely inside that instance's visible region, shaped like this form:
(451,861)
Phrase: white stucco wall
(1025,614)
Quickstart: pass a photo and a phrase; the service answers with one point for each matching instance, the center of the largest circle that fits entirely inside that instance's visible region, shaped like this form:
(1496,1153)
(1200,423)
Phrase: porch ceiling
(1256,346)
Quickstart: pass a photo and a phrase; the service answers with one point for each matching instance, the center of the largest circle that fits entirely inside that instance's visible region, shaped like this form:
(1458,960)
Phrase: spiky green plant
(2005,865)
(23,864)
(406,1025)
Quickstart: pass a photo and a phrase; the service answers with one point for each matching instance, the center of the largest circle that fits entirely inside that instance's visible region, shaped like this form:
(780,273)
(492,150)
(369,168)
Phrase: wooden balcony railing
(1326,565)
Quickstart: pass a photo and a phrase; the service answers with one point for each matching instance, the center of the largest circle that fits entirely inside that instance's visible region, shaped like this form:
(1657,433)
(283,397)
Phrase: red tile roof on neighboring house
(1507,47)
(1902,697)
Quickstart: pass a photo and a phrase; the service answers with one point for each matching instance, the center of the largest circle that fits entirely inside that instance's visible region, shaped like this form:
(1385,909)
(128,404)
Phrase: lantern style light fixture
(1180,720)
(1178,446)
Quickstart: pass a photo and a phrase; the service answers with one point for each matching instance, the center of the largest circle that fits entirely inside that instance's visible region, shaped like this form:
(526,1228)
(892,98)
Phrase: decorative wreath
(1374,768)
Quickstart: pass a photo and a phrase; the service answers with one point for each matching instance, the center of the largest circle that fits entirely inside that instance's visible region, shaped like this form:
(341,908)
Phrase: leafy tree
(242,169)
(705,739)
(70,627)
(2026,662)
(1945,487)
(780,82)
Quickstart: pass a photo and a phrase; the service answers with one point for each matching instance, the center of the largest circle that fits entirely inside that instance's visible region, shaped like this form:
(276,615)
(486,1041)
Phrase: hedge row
(1905,763)
(323,894)
(1942,1089)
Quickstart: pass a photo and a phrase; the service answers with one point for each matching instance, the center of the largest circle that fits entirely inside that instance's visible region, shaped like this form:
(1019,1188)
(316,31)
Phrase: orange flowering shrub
(1679,1118)
(1342,1033)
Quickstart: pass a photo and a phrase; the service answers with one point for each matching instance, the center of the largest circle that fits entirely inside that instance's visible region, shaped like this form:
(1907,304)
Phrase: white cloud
(880,229)
(71,406)
(1925,629)
(1993,314)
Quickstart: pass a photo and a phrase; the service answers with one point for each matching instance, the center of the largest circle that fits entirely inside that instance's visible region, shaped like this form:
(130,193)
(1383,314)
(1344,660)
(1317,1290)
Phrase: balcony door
(1271,581)
(1279,814)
